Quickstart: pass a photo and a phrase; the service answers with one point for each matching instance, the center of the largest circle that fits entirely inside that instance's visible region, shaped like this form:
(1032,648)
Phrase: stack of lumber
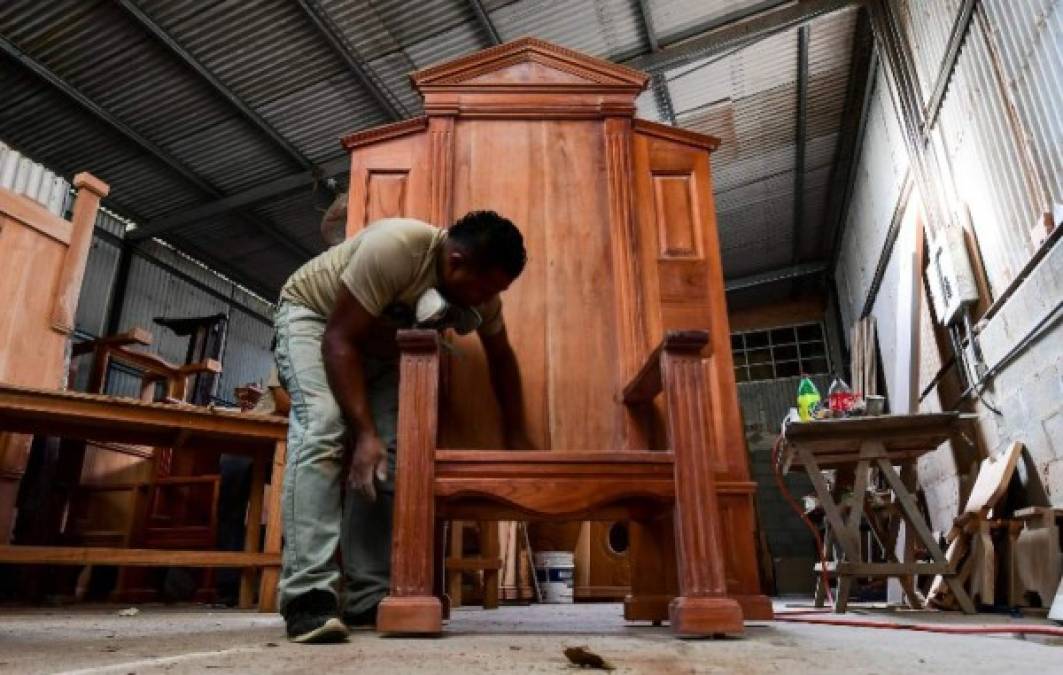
(1019,551)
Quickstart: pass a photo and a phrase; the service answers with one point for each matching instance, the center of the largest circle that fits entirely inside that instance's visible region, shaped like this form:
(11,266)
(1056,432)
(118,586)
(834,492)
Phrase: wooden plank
(883,569)
(139,557)
(915,519)
(994,474)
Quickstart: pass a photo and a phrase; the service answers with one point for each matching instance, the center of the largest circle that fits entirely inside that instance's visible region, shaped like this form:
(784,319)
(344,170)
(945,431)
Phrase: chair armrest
(647,382)
(134,336)
(204,366)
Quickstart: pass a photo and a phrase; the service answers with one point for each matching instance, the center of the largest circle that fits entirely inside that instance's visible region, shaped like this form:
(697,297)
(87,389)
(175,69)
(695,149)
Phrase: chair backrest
(618,220)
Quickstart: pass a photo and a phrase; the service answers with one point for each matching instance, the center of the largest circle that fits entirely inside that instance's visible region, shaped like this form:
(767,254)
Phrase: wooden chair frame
(680,577)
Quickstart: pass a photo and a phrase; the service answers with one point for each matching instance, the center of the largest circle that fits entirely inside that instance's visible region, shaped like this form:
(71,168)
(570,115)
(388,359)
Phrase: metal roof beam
(738,32)
(772,276)
(657,81)
(143,143)
(260,193)
(205,73)
(484,19)
(328,29)
(800,136)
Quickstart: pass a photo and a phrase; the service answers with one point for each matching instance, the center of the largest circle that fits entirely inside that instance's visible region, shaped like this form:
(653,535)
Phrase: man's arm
(347,325)
(505,381)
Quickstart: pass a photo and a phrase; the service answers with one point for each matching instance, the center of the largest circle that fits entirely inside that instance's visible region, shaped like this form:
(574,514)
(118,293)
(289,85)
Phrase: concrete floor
(508,640)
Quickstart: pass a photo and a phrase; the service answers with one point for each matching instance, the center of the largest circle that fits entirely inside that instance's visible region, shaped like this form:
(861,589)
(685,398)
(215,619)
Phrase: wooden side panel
(31,352)
(683,276)
(388,179)
(387,194)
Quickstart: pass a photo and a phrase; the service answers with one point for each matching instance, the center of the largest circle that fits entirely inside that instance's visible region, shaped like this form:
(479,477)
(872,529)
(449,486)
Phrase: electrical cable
(820,546)
(984,629)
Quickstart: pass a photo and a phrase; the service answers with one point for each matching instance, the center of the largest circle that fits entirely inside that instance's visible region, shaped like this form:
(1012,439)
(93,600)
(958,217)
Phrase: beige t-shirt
(392,261)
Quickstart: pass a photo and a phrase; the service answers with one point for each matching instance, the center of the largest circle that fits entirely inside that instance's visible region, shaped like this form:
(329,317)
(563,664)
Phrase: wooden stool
(489,562)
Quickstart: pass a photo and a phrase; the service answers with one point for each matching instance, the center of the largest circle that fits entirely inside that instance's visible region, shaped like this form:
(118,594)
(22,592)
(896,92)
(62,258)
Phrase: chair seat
(553,485)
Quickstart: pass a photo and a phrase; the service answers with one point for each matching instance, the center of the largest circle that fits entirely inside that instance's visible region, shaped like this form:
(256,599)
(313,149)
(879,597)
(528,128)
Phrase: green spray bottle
(808,399)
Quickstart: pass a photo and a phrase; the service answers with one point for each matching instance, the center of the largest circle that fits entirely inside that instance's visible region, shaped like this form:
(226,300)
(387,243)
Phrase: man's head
(481,257)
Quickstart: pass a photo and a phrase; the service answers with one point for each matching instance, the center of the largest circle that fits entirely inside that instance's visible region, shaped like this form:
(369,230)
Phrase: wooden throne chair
(619,323)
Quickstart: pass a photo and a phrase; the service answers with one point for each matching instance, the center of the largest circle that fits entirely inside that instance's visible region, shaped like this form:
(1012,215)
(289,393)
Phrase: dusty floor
(508,640)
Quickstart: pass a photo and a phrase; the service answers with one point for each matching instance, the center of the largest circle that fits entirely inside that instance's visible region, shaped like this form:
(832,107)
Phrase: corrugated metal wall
(994,150)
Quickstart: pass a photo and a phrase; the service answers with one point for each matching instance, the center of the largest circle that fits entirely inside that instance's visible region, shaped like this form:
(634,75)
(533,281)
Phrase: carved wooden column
(702,606)
(411,607)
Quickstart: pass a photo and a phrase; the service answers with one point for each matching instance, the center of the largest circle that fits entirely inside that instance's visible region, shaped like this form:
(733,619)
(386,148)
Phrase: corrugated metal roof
(1029,37)
(273,57)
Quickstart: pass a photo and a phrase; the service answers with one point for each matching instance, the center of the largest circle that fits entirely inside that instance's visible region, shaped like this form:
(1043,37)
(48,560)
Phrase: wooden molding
(670,133)
(385,132)
(529,50)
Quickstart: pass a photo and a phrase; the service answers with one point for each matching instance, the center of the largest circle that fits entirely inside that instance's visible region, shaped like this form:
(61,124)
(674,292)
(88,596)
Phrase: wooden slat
(141,557)
(473,564)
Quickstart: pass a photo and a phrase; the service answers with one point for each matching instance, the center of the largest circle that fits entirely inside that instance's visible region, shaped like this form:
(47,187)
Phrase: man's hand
(369,463)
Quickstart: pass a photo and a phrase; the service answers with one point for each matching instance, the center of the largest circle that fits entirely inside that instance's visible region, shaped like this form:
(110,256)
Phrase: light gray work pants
(315,520)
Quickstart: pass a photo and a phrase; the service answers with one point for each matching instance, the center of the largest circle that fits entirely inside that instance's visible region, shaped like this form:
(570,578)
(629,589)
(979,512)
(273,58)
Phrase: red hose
(820,548)
(1022,629)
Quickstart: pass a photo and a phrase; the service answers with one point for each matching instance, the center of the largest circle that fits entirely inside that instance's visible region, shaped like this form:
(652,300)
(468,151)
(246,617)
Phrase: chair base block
(413,615)
(703,617)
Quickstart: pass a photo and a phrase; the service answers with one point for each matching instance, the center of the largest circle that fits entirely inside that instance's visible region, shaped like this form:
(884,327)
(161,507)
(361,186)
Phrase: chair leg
(411,607)
(490,551)
(454,576)
(702,607)
(440,565)
(653,570)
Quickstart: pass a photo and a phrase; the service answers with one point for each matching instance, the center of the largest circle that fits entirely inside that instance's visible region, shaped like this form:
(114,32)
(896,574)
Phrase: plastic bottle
(839,396)
(808,399)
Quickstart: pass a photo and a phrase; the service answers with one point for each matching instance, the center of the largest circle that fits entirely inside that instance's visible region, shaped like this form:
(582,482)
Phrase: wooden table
(178,426)
(861,443)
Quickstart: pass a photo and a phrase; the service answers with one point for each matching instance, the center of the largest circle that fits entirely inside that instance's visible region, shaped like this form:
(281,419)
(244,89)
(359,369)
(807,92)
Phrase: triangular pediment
(529,61)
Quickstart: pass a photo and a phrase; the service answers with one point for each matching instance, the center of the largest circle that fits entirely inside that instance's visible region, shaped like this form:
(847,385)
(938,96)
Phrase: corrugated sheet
(1029,37)
(272,57)
(247,354)
(23,176)
(676,17)
(602,28)
(987,168)
(749,99)
(928,26)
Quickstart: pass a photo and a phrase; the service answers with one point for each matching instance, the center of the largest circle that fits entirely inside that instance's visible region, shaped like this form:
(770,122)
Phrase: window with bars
(780,352)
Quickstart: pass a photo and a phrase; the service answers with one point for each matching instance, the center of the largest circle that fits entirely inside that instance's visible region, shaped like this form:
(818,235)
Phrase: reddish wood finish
(619,223)
(411,607)
(42,262)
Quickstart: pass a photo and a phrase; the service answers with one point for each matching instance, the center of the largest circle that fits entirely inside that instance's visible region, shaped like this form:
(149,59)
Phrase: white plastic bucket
(555,571)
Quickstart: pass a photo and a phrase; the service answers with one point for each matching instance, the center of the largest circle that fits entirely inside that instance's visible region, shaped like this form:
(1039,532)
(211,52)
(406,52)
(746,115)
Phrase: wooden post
(411,607)
(90,191)
(252,528)
(267,590)
(702,607)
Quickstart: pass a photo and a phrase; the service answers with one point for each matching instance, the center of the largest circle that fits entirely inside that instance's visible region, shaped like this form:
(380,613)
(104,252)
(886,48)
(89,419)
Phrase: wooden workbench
(177,426)
(862,443)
